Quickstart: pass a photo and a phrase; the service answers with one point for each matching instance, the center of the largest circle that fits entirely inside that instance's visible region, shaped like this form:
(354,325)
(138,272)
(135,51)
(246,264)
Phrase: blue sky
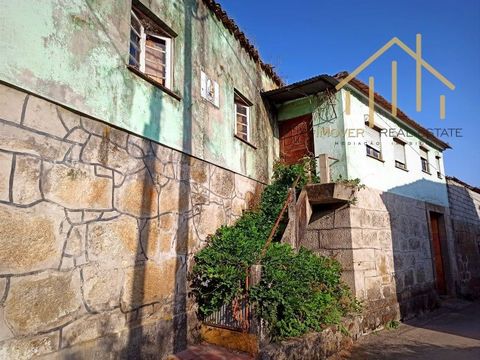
(305,38)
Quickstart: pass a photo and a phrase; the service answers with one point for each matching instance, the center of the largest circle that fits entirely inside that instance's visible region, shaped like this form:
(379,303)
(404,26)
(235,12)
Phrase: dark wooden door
(437,253)
(296,138)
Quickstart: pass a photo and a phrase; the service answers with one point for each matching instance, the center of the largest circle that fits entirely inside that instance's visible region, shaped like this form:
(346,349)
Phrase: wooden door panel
(437,254)
(296,138)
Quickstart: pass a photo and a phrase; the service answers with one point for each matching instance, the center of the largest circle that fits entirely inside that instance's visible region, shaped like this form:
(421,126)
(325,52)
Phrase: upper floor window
(242,111)
(150,48)
(399,154)
(424,160)
(439,172)
(373,142)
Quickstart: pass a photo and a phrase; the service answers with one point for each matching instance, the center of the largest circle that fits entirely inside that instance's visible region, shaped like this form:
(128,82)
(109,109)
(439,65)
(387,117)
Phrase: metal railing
(233,316)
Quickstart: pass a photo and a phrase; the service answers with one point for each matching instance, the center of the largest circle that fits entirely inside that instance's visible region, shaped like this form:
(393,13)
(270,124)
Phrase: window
(439,167)
(399,154)
(373,142)
(150,48)
(242,111)
(424,159)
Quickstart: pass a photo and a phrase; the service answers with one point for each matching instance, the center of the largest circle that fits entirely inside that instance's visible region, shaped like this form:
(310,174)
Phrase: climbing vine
(298,291)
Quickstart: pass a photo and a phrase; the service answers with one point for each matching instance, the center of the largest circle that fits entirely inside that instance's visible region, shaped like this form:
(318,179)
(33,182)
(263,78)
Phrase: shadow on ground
(452,332)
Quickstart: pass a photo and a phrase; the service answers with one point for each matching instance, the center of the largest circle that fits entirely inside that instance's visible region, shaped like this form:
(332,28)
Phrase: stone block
(93,327)
(342,218)
(211,217)
(78,135)
(11,104)
(76,241)
(357,216)
(43,302)
(90,191)
(5,170)
(26,183)
(42,115)
(20,140)
(158,235)
(311,240)
(69,118)
(335,239)
(199,172)
(149,283)
(30,347)
(222,182)
(101,287)
(367,255)
(101,150)
(322,220)
(373,287)
(138,195)
(114,242)
(30,239)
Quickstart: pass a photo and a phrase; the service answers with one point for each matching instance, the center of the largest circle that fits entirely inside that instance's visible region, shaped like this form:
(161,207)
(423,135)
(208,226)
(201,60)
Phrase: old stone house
(395,242)
(131,130)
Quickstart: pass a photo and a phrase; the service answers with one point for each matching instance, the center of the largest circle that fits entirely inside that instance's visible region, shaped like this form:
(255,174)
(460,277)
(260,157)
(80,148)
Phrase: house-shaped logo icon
(420,64)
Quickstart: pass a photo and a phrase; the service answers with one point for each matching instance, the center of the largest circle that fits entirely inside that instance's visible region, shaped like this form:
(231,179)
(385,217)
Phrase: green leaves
(298,292)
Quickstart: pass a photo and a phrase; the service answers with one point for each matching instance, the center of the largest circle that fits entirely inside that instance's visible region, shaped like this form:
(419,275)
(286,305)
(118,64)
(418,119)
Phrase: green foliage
(298,292)
(392,325)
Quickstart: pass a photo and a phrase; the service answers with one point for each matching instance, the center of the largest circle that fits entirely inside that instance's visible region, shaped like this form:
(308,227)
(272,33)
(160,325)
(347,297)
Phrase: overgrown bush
(299,292)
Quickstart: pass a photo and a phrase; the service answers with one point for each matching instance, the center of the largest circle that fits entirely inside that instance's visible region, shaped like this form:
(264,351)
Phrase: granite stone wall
(98,228)
(465,210)
(383,243)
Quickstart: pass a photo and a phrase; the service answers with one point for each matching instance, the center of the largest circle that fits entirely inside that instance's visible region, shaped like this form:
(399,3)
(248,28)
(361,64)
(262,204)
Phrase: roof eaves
(233,28)
(463,183)
(387,106)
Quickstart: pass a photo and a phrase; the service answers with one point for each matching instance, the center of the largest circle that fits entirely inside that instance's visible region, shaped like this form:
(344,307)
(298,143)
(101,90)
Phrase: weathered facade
(394,238)
(110,182)
(465,209)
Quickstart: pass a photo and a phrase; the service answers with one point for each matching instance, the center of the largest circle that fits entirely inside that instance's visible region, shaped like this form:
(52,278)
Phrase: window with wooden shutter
(439,167)
(424,160)
(150,48)
(373,142)
(242,113)
(399,154)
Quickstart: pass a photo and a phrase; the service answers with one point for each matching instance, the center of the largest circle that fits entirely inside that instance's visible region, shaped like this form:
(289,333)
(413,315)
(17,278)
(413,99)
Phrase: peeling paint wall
(341,135)
(75,53)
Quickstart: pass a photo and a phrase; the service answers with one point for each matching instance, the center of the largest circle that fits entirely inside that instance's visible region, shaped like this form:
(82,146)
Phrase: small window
(373,142)
(439,167)
(424,160)
(150,48)
(399,154)
(242,112)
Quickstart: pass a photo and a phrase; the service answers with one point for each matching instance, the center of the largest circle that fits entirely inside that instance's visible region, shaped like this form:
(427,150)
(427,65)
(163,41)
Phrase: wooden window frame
(439,173)
(240,100)
(159,33)
(370,150)
(424,161)
(398,164)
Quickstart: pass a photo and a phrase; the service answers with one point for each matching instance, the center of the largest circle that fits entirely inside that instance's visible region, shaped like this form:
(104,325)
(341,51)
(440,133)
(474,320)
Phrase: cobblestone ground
(452,332)
(209,352)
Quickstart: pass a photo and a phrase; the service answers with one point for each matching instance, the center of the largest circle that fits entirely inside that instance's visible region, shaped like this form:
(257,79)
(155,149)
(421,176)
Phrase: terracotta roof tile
(233,28)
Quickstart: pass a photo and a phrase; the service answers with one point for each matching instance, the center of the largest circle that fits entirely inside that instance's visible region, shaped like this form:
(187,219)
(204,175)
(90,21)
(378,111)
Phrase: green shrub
(298,292)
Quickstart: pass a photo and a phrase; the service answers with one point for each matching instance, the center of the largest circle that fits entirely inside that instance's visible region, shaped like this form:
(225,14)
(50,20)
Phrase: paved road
(452,332)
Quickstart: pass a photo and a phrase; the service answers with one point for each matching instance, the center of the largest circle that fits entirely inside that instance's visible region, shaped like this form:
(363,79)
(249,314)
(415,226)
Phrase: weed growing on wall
(298,292)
